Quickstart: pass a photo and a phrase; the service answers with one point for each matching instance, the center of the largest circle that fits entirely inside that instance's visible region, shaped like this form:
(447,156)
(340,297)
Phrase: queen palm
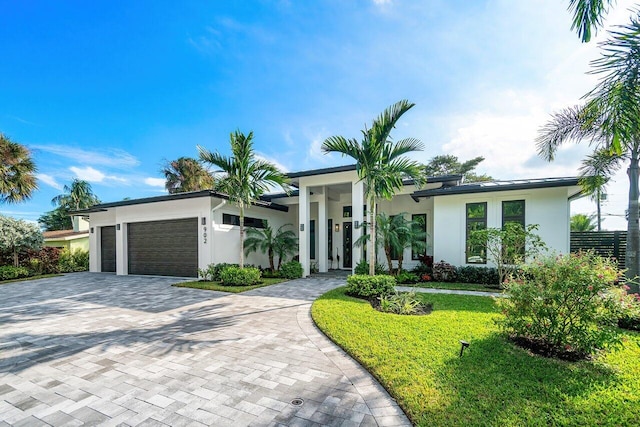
(244,177)
(186,174)
(610,121)
(79,195)
(17,172)
(278,243)
(380,162)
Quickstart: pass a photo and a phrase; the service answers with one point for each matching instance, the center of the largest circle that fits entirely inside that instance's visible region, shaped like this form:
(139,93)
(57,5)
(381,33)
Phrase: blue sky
(107,91)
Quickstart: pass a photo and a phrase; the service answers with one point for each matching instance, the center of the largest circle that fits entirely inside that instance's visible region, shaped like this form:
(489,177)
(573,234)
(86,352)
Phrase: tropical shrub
(207,273)
(217,269)
(405,303)
(562,306)
(425,266)
(363,268)
(627,307)
(70,261)
(9,272)
(479,275)
(236,276)
(291,270)
(365,286)
(444,272)
(407,277)
(18,236)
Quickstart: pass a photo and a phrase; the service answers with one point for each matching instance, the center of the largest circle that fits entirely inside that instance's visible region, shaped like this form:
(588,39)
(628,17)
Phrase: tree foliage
(582,222)
(78,195)
(57,219)
(448,164)
(18,236)
(244,178)
(275,243)
(17,172)
(380,162)
(186,174)
(588,16)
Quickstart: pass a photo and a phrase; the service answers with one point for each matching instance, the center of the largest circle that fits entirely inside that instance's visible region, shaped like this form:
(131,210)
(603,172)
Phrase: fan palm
(380,162)
(17,172)
(610,121)
(186,174)
(244,177)
(279,243)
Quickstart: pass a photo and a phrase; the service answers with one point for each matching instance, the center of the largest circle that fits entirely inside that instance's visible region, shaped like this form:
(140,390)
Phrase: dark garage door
(108,249)
(163,248)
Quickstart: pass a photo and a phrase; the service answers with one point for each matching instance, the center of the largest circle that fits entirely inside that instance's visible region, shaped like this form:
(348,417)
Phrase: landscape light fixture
(464,345)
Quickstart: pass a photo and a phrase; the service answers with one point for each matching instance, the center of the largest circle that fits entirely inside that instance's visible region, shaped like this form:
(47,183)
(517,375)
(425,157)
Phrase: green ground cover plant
(453,286)
(495,382)
(218,286)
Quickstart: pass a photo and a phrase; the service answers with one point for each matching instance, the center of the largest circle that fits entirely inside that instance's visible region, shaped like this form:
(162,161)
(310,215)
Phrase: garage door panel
(108,249)
(163,248)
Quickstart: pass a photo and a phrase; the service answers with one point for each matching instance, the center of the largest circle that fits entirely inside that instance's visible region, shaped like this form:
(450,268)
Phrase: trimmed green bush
(217,269)
(236,276)
(291,270)
(406,277)
(563,305)
(77,260)
(9,272)
(363,268)
(478,275)
(363,286)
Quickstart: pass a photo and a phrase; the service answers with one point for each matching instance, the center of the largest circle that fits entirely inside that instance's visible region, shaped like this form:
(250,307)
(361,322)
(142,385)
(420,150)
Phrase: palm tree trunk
(633,231)
(241,236)
(387,252)
(372,227)
(599,200)
(400,258)
(271,266)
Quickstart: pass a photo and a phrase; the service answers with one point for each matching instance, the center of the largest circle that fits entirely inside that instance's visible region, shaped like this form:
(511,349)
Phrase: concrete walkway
(448,291)
(99,349)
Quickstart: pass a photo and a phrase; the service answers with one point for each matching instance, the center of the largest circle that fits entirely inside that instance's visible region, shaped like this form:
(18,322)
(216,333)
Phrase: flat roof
(178,196)
(490,186)
(313,172)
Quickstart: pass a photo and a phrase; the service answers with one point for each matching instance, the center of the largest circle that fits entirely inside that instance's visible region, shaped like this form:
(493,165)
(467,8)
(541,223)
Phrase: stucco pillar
(122,267)
(303,228)
(357,216)
(322,231)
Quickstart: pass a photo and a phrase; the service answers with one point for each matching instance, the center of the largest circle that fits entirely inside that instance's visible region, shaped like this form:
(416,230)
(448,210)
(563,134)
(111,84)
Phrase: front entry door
(346,244)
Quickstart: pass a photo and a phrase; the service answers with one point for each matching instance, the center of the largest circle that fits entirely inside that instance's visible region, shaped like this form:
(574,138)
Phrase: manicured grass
(456,286)
(217,286)
(24,279)
(494,383)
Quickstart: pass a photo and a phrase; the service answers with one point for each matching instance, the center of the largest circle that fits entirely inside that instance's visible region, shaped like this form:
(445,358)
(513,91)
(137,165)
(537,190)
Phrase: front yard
(495,383)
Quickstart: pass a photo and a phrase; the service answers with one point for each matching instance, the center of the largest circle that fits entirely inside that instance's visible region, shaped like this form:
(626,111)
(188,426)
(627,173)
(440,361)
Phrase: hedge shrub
(236,276)
(9,272)
(363,286)
(77,260)
(479,275)
(291,270)
(363,268)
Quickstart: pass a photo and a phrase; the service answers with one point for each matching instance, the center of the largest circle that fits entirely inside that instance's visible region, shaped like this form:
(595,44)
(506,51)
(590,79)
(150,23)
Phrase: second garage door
(163,248)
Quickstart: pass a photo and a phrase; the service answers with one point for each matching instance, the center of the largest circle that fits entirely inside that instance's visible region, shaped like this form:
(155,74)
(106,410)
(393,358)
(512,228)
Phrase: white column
(322,231)
(357,216)
(303,229)
(122,267)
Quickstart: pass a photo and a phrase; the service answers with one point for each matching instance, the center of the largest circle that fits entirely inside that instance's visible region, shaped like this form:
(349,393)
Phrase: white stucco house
(177,234)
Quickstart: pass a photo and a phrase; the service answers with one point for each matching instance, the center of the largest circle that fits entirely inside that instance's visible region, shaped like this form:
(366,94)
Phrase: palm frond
(588,15)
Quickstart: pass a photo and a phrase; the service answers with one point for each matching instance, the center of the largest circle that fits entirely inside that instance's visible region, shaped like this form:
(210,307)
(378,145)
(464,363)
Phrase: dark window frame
(468,222)
(414,255)
(520,219)
(312,239)
(232,219)
(330,239)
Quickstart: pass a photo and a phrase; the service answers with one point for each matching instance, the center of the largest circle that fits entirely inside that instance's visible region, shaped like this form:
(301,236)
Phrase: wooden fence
(604,243)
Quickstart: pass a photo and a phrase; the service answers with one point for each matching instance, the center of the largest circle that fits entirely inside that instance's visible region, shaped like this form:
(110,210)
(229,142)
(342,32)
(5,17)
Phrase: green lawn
(494,383)
(457,286)
(24,279)
(216,286)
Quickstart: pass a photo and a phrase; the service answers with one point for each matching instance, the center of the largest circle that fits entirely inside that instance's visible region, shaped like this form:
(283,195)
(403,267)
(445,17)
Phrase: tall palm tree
(279,243)
(595,173)
(610,121)
(186,174)
(244,177)
(380,162)
(17,172)
(79,195)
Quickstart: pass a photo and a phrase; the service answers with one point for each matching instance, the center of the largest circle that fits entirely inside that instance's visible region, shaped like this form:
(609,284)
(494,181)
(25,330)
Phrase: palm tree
(609,120)
(79,195)
(588,15)
(595,173)
(17,172)
(280,244)
(582,222)
(380,162)
(186,174)
(244,178)
(412,237)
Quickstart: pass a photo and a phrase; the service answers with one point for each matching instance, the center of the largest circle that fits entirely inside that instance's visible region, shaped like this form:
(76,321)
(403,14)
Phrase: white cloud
(279,165)
(109,158)
(155,182)
(90,174)
(49,180)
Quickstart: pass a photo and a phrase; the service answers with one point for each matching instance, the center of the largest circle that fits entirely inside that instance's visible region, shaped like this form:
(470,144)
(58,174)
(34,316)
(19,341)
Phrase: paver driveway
(91,348)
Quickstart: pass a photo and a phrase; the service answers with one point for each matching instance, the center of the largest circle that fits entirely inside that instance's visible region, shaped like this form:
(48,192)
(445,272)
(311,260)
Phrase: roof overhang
(493,186)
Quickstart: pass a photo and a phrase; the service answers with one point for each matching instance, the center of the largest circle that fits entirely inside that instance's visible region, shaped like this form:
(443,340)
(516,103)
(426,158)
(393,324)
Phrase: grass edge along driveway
(495,383)
(218,286)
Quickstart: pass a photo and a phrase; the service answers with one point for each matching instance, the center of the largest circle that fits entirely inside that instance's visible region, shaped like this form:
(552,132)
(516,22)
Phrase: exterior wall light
(356,224)
(118,227)
(337,228)
(301,227)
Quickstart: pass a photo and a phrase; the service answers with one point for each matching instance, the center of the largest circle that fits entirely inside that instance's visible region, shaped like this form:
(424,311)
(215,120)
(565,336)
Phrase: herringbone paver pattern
(99,349)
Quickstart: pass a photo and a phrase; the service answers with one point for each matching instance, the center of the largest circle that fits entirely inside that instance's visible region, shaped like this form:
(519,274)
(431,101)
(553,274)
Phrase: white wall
(547,207)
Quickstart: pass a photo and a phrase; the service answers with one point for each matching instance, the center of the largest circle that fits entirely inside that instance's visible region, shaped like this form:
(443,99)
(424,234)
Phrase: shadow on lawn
(509,386)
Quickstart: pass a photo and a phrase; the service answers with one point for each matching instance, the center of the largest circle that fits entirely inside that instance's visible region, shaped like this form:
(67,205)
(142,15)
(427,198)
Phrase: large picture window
(230,219)
(476,216)
(420,223)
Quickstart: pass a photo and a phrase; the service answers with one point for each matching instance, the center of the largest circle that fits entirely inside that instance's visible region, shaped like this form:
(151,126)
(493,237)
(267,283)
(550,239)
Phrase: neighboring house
(177,234)
(78,238)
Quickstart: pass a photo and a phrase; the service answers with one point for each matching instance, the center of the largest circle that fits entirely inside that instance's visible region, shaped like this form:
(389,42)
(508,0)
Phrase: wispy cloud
(279,165)
(49,180)
(20,120)
(115,158)
(154,182)
(90,174)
